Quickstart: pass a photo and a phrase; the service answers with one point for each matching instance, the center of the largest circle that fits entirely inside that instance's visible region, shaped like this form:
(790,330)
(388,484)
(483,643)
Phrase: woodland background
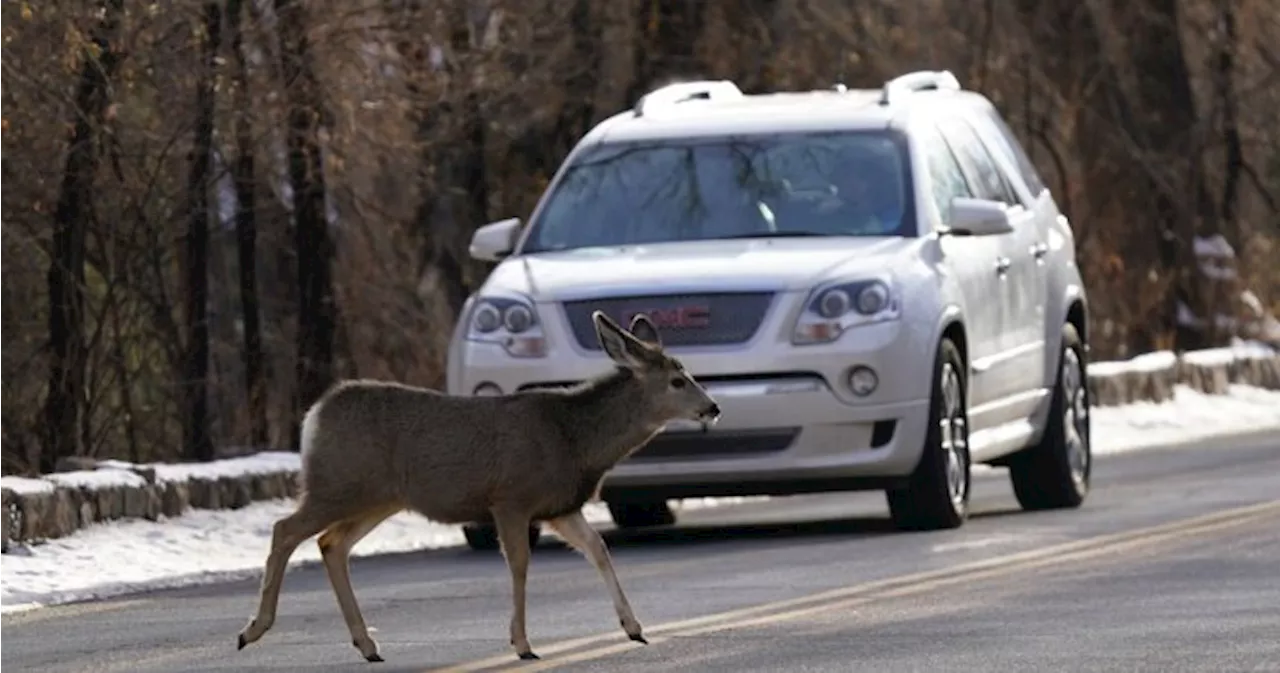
(213,208)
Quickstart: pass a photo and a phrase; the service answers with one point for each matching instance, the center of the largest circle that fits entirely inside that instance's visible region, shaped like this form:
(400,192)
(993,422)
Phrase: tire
(641,514)
(936,496)
(484,536)
(1055,473)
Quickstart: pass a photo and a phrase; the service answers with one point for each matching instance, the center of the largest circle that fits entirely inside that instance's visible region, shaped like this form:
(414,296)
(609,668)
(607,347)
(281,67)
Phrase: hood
(722,265)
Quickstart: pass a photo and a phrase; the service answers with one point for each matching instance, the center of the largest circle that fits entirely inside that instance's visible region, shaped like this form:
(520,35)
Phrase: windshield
(803,184)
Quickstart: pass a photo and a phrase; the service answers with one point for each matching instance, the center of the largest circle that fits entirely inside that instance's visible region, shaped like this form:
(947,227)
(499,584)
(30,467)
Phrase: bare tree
(244,173)
(197,441)
(65,424)
(316,307)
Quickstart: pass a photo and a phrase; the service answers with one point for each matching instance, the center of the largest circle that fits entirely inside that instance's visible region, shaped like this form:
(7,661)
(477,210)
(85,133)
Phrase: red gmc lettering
(684,317)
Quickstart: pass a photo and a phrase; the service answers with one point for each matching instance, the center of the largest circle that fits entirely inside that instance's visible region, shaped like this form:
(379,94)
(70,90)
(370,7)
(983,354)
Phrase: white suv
(875,285)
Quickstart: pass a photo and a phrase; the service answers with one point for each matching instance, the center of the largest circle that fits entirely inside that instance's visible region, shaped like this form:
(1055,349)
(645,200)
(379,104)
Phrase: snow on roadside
(1191,416)
(205,546)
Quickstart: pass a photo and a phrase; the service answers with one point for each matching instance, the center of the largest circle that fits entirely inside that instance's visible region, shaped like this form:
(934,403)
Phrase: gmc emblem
(683,317)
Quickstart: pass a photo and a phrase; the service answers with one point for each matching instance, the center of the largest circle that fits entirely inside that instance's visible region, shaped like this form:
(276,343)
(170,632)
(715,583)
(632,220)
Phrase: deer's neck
(608,418)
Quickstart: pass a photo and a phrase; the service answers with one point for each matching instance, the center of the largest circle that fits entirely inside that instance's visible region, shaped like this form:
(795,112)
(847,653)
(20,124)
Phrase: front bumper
(789,424)
(800,442)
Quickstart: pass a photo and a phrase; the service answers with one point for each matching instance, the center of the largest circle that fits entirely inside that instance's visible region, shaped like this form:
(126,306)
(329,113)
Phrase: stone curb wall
(1152,377)
(85,492)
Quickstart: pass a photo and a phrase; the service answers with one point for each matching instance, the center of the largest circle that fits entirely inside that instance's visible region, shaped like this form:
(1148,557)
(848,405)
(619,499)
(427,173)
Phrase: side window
(945,174)
(984,175)
(1008,142)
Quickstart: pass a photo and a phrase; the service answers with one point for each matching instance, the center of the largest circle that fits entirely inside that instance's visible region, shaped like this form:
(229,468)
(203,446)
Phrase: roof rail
(680,92)
(920,80)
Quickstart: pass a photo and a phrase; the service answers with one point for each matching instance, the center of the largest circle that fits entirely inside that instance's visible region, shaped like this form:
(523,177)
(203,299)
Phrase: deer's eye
(678,383)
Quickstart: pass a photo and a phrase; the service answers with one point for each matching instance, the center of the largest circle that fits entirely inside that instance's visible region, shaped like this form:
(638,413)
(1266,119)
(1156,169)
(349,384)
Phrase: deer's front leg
(575,529)
(513,533)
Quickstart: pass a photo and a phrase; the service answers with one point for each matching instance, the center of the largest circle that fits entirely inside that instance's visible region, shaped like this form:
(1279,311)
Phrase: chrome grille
(683,319)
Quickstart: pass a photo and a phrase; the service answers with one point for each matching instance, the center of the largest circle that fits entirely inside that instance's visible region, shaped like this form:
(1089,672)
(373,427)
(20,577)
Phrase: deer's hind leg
(286,535)
(335,548)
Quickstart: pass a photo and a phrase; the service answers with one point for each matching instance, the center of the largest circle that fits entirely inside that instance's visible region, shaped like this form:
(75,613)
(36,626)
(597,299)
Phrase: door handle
(1002,265)
(1039,250)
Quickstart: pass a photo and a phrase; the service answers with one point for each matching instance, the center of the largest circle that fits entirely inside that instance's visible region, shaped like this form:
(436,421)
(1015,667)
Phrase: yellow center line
(925,587)
(587,655)
(905,585)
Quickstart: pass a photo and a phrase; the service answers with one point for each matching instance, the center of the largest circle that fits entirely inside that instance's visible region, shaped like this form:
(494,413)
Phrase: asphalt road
(1172,565)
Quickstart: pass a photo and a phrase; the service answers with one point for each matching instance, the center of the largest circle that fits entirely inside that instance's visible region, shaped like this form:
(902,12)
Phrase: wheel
(484,536)
(937,492)
(641,514)
(1055,473)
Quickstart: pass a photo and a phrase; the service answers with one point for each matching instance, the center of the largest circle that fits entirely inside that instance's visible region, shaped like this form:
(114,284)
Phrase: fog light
(487,389)
(863,381)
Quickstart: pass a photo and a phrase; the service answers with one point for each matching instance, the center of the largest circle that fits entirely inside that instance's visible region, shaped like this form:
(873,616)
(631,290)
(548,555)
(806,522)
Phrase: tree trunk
(1234,162)
(244,176)
(1162,116)
(473,180)
(316,306)
(64,402)
(665,50)
(578,112)
(196,440)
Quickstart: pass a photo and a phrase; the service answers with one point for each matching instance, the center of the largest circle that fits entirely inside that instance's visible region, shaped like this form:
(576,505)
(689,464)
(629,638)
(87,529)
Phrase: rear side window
(944,173)
(983,173)
(1008,143)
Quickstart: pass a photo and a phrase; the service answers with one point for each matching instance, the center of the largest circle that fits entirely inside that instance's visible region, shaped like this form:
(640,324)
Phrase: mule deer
(371,449)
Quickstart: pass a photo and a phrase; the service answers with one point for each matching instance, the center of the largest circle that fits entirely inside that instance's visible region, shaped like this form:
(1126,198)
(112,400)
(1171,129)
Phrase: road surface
(1172,565)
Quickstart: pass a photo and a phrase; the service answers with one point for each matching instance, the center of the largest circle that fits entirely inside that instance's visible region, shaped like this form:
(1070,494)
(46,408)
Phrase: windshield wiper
(774,234)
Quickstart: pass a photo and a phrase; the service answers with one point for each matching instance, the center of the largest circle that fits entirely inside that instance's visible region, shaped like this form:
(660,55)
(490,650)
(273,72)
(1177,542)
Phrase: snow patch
(1189,417)
(1147,362)
(26,485)
(94,480)
(266,462)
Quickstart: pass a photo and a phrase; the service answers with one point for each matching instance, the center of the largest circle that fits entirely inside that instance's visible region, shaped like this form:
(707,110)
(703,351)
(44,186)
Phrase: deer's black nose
(712,411)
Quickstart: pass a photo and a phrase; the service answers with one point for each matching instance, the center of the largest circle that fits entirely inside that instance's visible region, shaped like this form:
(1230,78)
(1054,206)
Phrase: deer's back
(450,458)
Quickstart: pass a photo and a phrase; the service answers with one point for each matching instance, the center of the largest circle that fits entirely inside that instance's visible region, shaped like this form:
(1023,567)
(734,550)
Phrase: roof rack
(680,92)
(920,80)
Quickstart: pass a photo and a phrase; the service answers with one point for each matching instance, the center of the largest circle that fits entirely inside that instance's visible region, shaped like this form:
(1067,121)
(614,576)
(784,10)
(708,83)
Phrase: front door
(971,260)
(1011,372)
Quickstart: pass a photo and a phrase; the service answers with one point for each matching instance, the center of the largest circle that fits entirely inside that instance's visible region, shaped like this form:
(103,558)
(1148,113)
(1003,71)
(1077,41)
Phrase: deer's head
(670,393)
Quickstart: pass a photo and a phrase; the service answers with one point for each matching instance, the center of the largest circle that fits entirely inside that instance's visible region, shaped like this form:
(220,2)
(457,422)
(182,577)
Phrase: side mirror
(494,241)
(978,217)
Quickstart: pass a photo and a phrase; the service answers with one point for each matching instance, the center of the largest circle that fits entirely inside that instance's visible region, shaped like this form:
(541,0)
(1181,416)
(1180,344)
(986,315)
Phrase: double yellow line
(606,644)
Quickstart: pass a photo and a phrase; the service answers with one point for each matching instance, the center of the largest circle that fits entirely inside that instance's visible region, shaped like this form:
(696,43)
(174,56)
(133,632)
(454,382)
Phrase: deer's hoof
(529,655)
(368,649)
(638,638)
(240,642)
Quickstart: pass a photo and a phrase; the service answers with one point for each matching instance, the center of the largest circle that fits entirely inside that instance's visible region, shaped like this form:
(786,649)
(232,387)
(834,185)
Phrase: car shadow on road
(685,534)
(690,534)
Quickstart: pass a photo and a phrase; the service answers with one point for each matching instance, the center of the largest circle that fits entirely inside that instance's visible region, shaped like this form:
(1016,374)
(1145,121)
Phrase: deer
(371,449)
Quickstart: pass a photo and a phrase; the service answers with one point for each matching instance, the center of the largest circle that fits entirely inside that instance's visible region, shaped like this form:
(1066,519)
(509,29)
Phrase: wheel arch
(951,326)
(1078,317)
(1073,310)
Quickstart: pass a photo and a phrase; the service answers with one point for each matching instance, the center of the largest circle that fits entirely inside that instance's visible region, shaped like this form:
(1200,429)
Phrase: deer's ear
(621,347)
(643,329)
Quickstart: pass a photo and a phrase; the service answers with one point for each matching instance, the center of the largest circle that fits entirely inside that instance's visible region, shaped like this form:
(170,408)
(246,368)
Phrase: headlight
(508,321)
(833,309)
